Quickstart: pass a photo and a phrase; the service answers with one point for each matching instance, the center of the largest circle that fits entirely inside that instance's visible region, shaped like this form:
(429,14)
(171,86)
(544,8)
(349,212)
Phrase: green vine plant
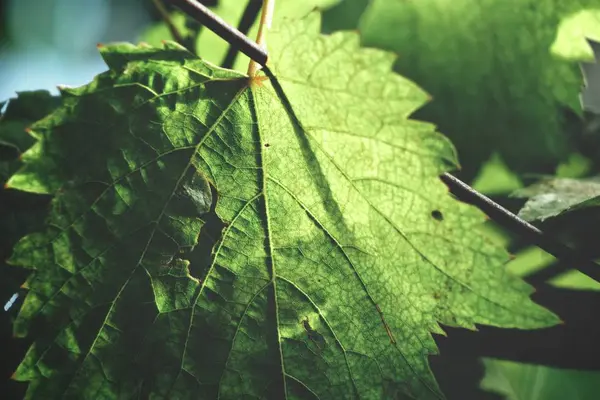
(280,233)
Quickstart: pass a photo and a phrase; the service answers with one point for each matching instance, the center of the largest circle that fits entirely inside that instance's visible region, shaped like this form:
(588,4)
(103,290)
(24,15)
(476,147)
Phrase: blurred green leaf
(495,178)
(551,197)
(496,85)
(574,32)
(156,33)
(518,381)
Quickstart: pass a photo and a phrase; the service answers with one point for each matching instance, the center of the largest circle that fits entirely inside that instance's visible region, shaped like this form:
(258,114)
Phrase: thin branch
(460,189)
(213,22)
(167,18)
(515,224)
(250,14)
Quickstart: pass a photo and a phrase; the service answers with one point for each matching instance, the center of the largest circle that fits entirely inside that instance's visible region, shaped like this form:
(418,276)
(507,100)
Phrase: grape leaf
(552,197)
(496,84)
(20,213)
(20,112)
(341,250)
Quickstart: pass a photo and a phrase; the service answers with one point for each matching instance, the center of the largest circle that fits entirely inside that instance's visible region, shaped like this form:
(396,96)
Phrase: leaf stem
(266,18)
(460,189)
(167,18)
(250,14)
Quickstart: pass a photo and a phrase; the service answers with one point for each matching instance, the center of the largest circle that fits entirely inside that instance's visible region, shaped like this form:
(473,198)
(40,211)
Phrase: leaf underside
(338,249)
(552,197)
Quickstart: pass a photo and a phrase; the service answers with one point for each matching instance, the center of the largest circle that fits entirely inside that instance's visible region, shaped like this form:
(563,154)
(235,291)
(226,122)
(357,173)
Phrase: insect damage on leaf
(320,193)
(314,336)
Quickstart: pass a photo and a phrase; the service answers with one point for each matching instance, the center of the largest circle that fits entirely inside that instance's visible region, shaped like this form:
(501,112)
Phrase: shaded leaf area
(551,197)
(340,251)
(496,84)
(20,112)
(20,213)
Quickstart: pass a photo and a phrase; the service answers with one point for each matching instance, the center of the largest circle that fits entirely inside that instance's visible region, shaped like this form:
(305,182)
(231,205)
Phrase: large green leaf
(341,250)
(496,69)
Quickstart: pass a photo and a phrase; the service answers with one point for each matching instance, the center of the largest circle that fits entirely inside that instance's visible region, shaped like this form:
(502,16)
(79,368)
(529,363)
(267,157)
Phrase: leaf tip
(100,45)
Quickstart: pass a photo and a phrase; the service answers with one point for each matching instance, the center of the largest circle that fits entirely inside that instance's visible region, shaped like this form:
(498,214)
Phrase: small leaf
(552,197)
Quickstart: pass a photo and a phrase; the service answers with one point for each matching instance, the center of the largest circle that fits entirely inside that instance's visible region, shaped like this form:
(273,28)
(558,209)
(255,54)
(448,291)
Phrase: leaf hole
(437,215)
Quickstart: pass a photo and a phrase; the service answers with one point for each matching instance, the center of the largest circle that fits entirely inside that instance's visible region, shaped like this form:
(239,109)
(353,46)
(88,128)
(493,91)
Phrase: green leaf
(552,197)
(518,381)
(20,112)
(20,213)
(495,83)
(573,34)
(341,251)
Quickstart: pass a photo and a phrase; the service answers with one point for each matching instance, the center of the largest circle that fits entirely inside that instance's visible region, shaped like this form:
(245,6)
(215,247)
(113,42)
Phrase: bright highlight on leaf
(338,250)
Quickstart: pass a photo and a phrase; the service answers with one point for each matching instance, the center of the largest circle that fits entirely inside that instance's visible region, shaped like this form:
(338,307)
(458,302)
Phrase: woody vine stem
(461,190)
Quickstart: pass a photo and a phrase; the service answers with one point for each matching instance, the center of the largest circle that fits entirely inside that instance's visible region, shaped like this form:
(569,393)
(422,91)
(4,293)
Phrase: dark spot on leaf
(267,145)
(437,215)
